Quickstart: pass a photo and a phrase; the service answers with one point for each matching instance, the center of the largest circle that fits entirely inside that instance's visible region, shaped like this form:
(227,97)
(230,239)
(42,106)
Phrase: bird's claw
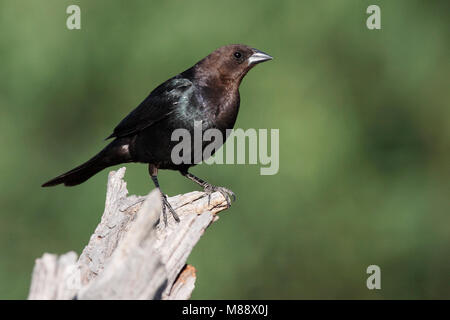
(227,193)
(166,204)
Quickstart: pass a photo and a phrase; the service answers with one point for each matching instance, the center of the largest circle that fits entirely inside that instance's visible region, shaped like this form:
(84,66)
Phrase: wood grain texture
(131,254)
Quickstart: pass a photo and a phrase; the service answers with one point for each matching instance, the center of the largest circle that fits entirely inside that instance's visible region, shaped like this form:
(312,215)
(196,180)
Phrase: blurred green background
(364,139)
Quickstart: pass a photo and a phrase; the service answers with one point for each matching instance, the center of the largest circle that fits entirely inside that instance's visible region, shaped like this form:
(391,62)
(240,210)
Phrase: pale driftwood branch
(132,254)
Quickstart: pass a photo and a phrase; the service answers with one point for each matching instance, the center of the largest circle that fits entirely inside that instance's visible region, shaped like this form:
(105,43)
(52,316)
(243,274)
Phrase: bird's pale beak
(258,57)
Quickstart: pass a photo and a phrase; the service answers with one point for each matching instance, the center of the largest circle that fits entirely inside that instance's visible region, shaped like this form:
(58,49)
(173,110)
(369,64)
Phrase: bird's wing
(158,105)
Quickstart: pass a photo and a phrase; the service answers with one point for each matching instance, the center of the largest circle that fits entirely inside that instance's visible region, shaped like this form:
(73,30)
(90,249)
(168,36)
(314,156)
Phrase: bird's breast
(220,106)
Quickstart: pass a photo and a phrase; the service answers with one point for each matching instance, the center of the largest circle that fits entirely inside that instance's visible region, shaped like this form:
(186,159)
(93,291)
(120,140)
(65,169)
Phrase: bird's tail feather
(111,155)
(79,174)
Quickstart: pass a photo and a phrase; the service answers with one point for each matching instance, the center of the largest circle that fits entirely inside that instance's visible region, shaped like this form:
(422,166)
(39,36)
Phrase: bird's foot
(166,205)
(227,193)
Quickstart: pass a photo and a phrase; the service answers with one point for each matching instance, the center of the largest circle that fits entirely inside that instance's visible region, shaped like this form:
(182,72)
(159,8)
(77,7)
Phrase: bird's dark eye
(237,55)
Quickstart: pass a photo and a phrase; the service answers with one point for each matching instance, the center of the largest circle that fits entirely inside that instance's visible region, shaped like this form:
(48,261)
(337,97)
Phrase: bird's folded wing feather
(159,104)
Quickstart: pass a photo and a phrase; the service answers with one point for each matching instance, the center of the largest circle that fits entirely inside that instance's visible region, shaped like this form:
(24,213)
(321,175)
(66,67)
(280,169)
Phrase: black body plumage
(207,92)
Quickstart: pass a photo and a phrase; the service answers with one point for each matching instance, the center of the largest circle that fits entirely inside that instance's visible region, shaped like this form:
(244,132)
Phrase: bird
(207,92)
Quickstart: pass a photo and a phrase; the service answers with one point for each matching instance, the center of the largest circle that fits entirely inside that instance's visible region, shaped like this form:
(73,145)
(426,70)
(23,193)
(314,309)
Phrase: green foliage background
(364,139)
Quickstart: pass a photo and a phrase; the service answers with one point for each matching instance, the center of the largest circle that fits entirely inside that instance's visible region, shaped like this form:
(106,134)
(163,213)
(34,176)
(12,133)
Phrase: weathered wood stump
(132,254)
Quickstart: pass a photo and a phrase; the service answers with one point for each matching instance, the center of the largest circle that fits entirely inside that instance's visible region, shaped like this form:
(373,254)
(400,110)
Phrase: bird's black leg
(153,170)
(209,188)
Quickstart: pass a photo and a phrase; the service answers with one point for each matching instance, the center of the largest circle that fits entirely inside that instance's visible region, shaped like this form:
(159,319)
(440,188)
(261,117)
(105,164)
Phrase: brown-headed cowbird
(207,92)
